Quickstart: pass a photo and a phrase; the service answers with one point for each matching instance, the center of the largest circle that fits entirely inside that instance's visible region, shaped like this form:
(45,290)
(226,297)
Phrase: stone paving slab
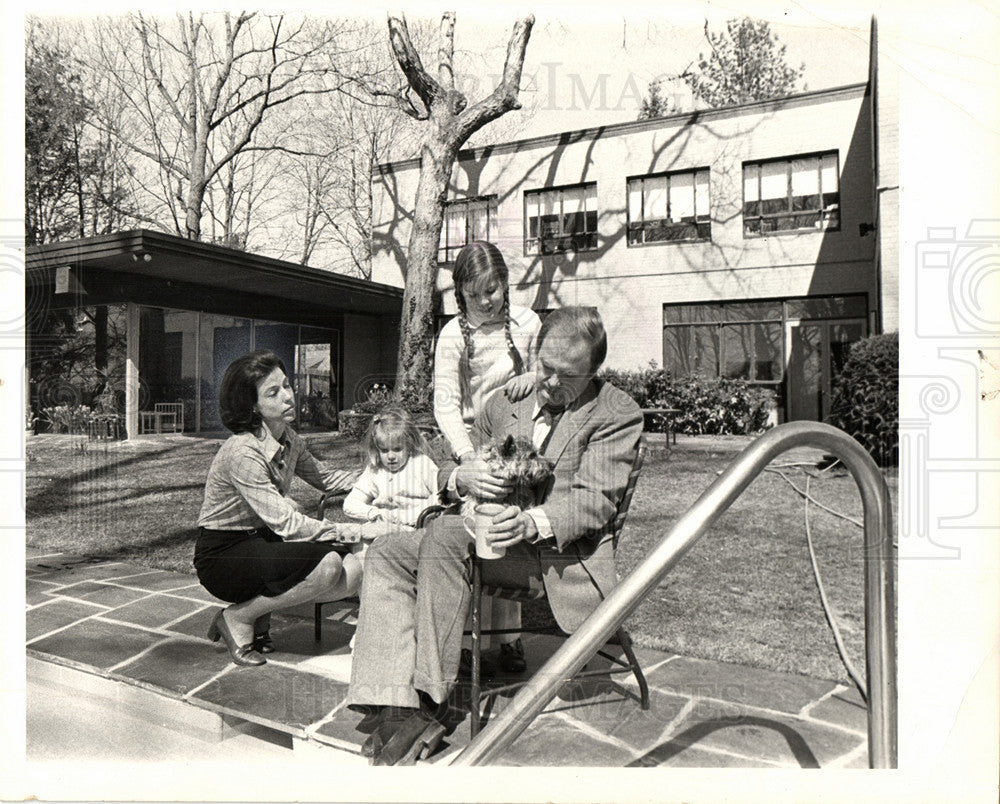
(556,742)
(36,592)
(844,708)
(159,581)
(57,614)
(761,735)
(739,684)
(195,592)
(96,643)
(273,695)
(103,594)
(703,714)
(178,665)
(154,611)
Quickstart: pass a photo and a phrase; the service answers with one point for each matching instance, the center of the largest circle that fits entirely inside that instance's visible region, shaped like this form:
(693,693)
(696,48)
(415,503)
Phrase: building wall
(887,190)
(630,284)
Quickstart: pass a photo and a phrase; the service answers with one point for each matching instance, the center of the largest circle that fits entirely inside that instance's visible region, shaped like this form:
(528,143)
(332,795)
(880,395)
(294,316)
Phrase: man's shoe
(486,669)
(387,721)
(512,657)
(416,738)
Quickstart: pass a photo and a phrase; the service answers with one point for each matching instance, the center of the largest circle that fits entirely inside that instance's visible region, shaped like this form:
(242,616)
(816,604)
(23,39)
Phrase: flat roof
(156,268)
(672,120)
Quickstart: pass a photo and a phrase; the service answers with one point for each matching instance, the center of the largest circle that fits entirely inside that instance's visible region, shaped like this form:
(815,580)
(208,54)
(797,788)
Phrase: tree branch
(409,61)
(504,98)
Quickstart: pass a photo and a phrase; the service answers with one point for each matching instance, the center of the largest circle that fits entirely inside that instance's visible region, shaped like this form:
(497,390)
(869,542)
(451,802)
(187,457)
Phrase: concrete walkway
(137,636)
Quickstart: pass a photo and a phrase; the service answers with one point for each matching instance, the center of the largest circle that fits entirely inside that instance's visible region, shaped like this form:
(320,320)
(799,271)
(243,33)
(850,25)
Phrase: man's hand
(517,388)
(475,478)
(511,526)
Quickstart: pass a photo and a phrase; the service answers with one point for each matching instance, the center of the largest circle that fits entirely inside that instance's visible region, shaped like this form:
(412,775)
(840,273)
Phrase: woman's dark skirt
(237,565)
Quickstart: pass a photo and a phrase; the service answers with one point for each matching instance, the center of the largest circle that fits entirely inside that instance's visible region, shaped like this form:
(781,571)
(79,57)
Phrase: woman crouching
(255,549)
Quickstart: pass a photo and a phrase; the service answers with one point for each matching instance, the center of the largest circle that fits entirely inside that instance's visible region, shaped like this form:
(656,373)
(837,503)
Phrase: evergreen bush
(866,396)
(719,406)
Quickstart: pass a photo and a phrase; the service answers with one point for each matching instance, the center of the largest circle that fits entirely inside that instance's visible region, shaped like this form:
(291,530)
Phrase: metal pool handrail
(880,592)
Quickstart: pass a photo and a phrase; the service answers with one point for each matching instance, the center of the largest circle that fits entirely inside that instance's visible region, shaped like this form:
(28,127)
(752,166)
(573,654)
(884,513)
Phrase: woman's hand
(474,477)
(517,388)
(511,526)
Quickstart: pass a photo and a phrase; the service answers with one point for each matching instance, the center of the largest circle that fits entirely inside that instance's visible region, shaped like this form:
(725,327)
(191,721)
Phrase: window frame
(694,173)
(491,224)
(824,213)
(562,237)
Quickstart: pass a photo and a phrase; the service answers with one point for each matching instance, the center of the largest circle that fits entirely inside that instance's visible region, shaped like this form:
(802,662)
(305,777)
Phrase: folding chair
(631,663)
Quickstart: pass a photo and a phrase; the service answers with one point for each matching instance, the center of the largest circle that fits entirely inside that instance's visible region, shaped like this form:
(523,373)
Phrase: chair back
(626,500)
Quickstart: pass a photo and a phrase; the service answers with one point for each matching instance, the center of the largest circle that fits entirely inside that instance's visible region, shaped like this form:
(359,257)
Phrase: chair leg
(626,643)
(318,621)
(477,625)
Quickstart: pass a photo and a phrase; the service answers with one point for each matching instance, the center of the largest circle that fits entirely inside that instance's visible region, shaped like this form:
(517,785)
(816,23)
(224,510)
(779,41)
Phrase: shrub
(721,406)
(866,396)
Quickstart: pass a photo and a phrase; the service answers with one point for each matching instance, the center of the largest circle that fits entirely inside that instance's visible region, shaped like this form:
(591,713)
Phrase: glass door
(817,351)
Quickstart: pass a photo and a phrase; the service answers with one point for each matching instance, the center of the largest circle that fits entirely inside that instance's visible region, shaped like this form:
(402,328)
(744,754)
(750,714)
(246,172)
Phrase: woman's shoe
(512,657)
(243,655)
(262,642)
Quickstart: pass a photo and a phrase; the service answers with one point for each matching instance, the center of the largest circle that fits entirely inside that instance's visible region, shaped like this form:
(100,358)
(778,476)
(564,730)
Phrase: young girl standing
(489,345)
(399,480)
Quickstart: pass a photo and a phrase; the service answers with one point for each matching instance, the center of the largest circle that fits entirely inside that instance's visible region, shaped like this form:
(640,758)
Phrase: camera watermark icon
(962,278)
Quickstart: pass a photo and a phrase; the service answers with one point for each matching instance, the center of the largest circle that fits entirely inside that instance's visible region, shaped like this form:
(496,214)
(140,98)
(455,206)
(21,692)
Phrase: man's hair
(238,392)
(575,324)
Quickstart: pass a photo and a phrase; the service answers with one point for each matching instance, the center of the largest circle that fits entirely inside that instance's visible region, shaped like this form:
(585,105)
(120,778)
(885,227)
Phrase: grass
(744,593)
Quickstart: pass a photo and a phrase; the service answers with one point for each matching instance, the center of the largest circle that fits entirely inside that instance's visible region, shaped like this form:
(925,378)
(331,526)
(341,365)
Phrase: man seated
(416,592)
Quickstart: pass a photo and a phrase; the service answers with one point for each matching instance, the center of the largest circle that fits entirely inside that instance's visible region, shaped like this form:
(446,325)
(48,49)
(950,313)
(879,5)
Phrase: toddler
(399,481)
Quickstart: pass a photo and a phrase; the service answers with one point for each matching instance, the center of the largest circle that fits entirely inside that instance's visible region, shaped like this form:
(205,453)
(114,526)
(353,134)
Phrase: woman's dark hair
(238,392)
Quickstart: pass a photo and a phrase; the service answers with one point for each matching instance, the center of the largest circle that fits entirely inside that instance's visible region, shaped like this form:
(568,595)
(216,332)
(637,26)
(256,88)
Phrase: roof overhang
(158,269)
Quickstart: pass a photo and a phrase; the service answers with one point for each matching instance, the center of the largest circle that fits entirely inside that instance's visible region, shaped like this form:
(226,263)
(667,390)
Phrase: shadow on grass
(690,737)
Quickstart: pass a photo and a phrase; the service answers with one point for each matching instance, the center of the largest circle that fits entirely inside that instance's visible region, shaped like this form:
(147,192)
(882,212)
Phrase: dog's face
(517,460)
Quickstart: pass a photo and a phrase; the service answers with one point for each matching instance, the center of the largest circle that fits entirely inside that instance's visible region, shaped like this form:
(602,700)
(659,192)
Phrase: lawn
(745,593)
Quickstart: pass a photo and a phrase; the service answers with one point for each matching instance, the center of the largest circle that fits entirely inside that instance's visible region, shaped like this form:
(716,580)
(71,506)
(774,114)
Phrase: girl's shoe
(243,655)
(512,657)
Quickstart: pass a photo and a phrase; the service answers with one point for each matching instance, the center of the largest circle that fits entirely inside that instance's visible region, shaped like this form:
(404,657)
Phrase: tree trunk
(450,121)
(413,368)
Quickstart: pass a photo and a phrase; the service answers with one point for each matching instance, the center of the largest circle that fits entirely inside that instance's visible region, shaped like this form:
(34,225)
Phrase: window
(734,340)
(669,207)
(561,219)
(466,221)
(791,195)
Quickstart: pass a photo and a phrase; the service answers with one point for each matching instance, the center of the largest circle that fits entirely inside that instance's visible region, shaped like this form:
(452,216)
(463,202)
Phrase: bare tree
(202,86)
(448,122)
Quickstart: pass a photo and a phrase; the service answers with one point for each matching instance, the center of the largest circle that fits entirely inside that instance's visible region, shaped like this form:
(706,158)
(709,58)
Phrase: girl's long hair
(392,422)
(477,262)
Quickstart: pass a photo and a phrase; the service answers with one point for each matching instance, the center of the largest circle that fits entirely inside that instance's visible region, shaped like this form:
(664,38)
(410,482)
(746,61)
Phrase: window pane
(701,194)
(805,177)
(635,201)
(691,351)
(774,180)
(737,350)
(751,175)
(478,220)
(656,199)
(682,197)
(828,171)
(831,307)
(752,311)
(691,313)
